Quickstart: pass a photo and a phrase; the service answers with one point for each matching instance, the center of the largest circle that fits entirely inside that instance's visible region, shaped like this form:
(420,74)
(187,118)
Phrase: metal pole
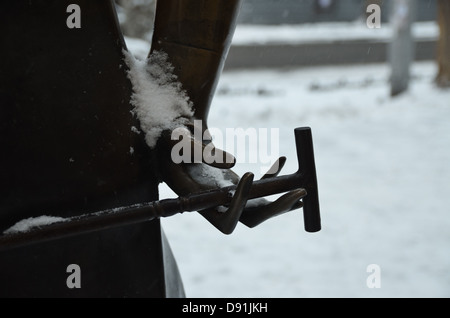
(402,47)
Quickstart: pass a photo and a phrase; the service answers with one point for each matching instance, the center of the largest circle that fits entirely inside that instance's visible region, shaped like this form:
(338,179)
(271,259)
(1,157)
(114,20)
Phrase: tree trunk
(443,54)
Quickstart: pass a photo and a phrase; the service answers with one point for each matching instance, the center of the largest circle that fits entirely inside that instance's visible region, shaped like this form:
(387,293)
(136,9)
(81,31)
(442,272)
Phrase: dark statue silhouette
(65,133)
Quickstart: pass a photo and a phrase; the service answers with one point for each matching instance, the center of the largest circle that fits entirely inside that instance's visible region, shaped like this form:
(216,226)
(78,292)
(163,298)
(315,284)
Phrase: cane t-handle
(304,178)
(308,178)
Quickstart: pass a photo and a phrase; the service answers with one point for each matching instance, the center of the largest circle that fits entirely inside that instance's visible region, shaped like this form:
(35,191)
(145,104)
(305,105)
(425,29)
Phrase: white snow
(383,169)
(135,130)
(205,174)
(247,34)
(30,223)
(158,98)
(256,202)
(138,47)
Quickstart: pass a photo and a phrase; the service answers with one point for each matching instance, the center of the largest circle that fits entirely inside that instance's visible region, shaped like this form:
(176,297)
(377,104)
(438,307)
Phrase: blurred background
(376,97)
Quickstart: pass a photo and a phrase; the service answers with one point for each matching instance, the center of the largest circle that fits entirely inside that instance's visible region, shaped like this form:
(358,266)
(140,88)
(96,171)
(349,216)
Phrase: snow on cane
(42,221)
(27,225)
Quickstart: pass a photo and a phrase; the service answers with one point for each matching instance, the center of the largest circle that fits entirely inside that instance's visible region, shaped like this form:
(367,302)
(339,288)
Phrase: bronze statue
(70,150)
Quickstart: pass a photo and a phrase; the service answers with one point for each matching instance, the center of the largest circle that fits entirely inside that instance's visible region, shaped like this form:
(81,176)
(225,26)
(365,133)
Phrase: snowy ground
(292,34)
(383,168)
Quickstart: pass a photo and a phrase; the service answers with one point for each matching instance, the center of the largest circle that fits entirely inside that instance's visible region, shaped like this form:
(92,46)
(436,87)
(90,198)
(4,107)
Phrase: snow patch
(205,174)
(139,47)
(159,101)
(135,130)
(30,223)
(254,203)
